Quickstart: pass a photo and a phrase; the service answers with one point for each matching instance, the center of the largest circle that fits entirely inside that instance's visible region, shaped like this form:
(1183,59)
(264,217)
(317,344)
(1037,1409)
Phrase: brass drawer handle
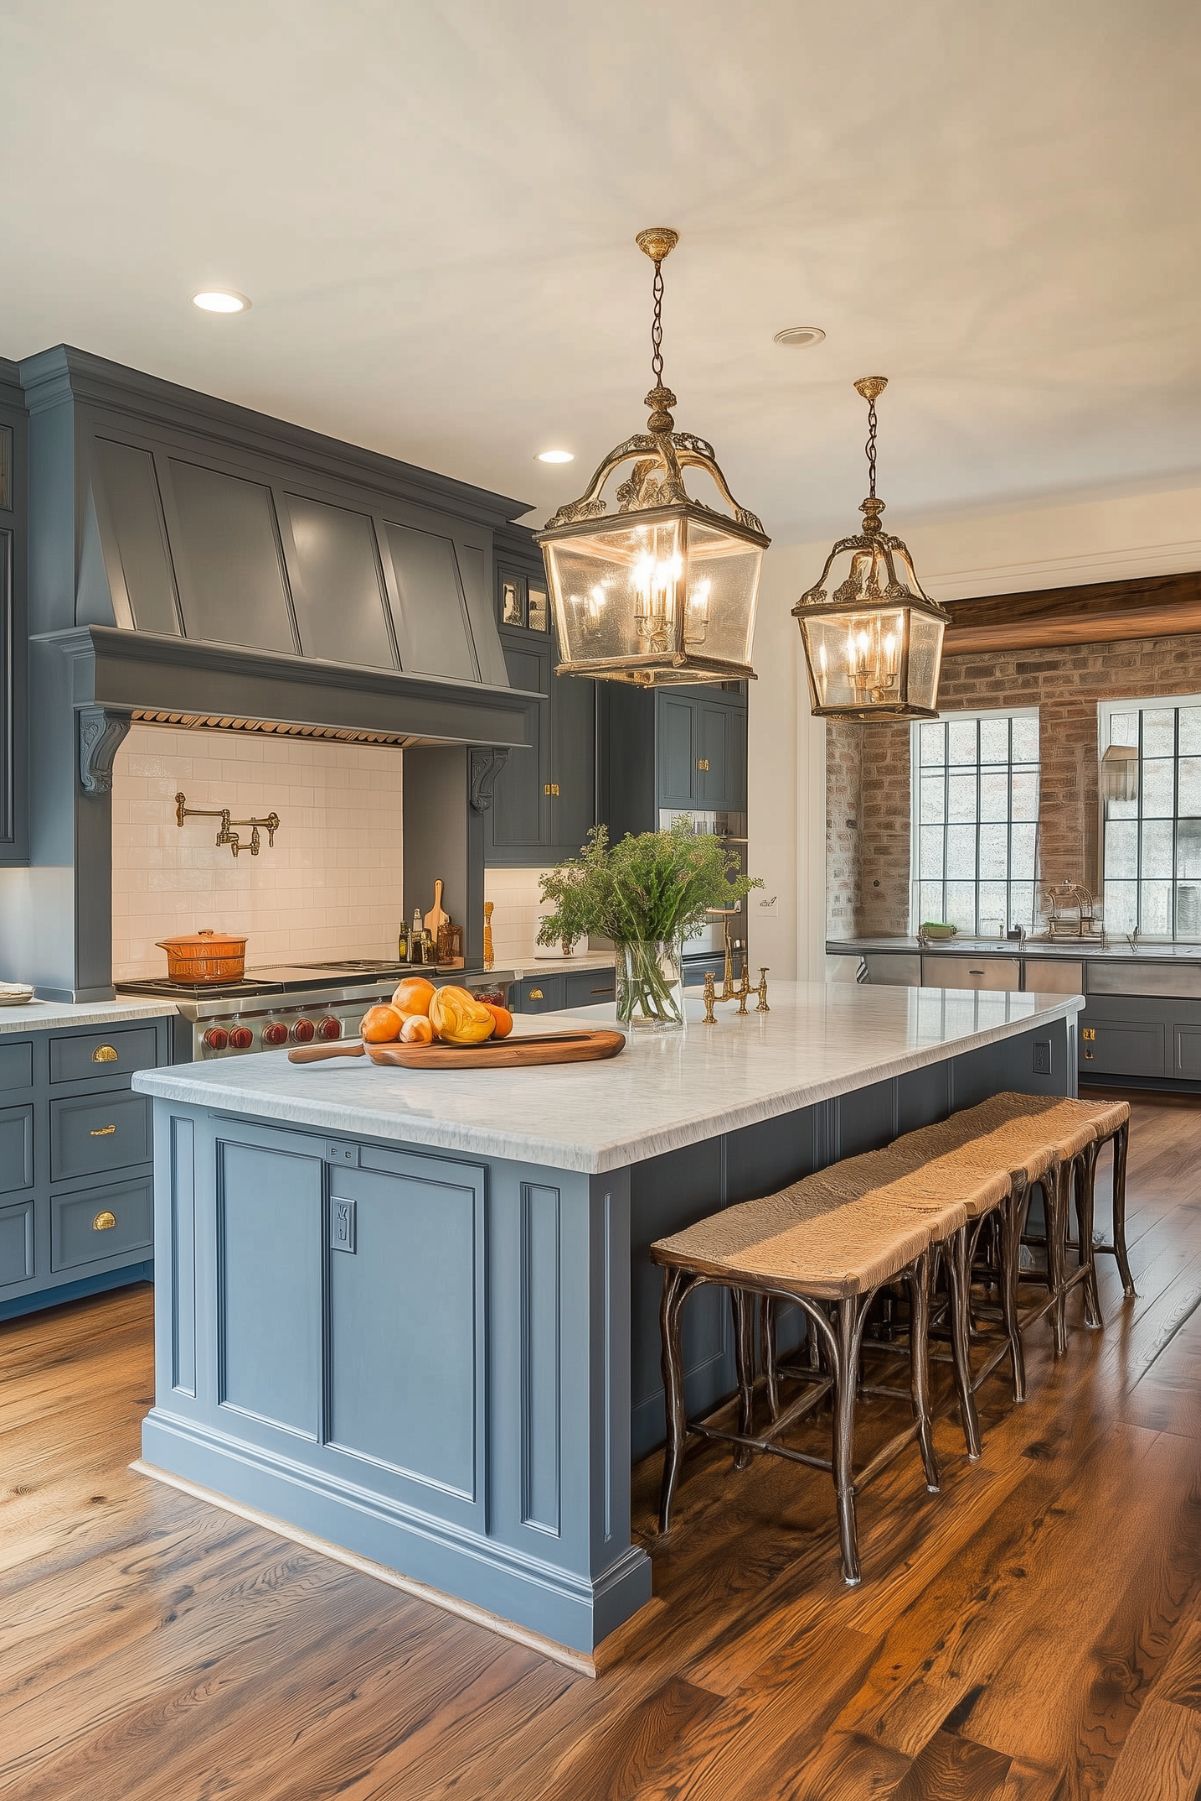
(102,1131)
(104,1222)
(536,994)
(546,788)
(104,1053)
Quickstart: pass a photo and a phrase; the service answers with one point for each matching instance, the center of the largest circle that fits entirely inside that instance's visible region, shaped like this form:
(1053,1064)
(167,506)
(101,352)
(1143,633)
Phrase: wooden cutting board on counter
(538,1049)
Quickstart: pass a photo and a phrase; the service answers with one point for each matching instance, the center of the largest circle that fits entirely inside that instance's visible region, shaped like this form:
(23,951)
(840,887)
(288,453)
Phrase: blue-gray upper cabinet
(701,753)
(14,845)
(545,797)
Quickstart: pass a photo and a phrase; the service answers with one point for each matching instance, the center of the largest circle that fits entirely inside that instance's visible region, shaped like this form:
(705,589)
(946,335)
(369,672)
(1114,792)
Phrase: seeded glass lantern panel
(654,598)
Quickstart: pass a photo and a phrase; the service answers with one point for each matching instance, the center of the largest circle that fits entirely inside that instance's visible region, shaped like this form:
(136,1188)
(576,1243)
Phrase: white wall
(1103,537)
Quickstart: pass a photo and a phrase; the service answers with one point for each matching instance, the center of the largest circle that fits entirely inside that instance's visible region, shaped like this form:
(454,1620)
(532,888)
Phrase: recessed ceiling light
(799,337)
(221,300)
(556,456)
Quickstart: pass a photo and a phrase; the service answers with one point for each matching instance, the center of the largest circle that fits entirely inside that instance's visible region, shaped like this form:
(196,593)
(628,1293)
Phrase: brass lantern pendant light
(874,651)
(664,589)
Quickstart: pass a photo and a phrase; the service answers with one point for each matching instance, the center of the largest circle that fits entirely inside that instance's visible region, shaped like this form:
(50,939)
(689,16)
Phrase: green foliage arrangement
(655,888)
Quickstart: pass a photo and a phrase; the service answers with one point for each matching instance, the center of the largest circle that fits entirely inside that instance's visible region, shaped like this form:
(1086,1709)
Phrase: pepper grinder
(489,953)
(763,1006)
(709,997)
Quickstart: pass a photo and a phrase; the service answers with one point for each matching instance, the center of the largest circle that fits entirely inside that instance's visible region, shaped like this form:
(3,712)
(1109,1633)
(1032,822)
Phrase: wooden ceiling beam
(1101,612)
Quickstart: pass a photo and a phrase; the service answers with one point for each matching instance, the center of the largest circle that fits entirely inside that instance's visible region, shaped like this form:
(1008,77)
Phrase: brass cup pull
(104,1053)
(104,1222)
(536,994)
(102,1131)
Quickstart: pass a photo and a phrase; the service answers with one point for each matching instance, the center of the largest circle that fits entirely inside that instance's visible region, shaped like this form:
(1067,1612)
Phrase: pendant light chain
(870,448)
(657,325)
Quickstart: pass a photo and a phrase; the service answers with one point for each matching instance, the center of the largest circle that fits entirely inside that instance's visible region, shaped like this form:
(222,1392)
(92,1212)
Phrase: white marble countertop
(662,1092)
(44,1016)
(558,964)
(1075,950)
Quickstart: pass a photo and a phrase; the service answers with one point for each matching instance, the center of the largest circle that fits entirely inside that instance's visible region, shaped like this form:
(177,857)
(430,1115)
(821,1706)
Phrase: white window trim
(970,716)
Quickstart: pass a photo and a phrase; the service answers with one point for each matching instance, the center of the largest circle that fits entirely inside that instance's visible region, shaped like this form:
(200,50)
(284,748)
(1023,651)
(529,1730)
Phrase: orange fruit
(416,1030)
(413,995)
(381,1025)
(502,1016)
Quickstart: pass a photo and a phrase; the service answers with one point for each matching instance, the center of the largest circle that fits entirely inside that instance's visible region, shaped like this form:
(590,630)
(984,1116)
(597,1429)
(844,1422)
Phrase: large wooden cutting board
(495,1053)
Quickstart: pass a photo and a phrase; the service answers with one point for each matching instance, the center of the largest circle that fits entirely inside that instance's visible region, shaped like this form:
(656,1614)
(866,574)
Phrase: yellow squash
(458,1018)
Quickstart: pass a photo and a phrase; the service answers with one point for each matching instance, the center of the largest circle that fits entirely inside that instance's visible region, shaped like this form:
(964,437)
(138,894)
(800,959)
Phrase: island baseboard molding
(456,1570)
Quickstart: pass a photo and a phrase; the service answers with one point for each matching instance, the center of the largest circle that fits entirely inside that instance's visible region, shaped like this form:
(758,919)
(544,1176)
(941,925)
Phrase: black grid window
(1152,840)
(975,822)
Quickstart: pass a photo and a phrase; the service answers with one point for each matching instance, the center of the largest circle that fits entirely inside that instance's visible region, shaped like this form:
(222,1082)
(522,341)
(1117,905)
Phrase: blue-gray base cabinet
(564,989)
(446,1362)
(76,1187)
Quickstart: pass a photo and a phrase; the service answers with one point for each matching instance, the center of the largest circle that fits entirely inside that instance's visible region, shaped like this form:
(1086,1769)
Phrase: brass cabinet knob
(536,994)
(104,1222)
(546,788)
(104,1053)
(102,1131)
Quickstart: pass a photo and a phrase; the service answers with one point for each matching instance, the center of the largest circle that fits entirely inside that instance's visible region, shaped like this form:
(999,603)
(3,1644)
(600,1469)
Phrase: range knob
(329,1028)
(274,1033)
(241,1038)
(215,1039)
(302,1031)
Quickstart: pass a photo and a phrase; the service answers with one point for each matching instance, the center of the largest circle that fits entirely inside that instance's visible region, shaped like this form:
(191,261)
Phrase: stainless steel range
(288,1004)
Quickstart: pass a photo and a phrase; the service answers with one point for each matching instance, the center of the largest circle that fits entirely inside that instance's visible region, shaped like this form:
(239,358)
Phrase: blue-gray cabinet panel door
(1121,1047)
(572,763)
(407,1325)
(677,752)
(519,810)
(16,1243)
(269,1264)
(16,1149)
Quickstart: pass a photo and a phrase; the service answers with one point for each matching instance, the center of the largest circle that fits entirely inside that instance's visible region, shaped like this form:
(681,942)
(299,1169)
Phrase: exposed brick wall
(867,766)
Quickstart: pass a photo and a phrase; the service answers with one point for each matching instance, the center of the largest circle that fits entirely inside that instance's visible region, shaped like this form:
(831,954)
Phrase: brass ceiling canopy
(874,650)
(665,589)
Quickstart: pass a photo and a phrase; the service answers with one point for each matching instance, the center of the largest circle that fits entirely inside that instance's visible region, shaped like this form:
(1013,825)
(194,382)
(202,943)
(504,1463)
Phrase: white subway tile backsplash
(330,887)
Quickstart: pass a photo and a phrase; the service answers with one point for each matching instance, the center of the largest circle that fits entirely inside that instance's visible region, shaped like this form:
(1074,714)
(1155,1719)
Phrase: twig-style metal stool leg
(1055,1187)
(959,1276)
(768,1356)
(1085,1168)
(676,1285)
(1013,1224)
(846,1373)
(744,1307)
(919,1366)
(1121,1143)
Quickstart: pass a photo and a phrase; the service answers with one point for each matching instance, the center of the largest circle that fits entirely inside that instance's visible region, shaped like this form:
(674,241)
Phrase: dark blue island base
(444,1363)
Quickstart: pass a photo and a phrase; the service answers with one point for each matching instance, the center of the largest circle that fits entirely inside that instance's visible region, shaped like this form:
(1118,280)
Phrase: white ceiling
(432,205)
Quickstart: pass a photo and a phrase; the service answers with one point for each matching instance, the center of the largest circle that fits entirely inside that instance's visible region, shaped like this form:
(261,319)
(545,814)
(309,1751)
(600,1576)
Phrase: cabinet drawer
(541,994)
(1186,1052)
(971,972)
(591,988)
(118,1052)
(104,1222)
(1050,975)
(16,1243)
(1169,981)
(16,1149)
(93,1133)
(16,1065)
(1123,1047)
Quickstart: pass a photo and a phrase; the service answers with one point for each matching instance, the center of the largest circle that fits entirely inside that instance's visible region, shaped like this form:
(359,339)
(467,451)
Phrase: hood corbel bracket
(101,734)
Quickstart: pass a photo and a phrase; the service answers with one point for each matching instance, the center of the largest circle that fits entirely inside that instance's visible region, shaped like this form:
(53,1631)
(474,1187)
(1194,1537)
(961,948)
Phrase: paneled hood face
(239,571)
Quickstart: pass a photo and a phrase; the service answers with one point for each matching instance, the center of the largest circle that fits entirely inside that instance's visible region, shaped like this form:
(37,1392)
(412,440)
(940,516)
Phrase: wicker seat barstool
(807,1246)
(1044,1141)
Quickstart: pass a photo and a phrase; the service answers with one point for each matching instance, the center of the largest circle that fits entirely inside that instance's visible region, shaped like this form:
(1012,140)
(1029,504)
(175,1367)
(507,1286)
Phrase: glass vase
(650,985)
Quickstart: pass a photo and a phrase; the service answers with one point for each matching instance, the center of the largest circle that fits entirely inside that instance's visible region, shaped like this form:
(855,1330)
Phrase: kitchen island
(411,1315)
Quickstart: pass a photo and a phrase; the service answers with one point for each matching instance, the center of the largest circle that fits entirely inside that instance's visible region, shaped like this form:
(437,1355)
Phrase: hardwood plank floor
(1031,1634)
